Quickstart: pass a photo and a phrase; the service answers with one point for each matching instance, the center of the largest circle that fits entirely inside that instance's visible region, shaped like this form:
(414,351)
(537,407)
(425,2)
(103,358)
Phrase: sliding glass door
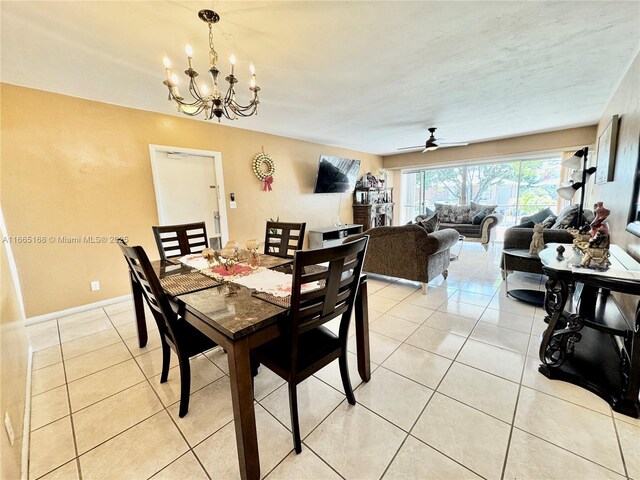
(519,187)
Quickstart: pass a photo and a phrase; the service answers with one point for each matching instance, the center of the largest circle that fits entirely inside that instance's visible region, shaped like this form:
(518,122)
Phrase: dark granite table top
(229,308)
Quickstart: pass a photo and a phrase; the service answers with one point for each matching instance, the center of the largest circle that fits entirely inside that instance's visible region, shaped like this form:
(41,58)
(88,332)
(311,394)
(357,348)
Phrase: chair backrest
(178,240)
(157,300)
(282,239)
(339,282)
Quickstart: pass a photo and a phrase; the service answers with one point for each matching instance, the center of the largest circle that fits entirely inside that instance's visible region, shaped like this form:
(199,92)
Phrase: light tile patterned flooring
(454,393)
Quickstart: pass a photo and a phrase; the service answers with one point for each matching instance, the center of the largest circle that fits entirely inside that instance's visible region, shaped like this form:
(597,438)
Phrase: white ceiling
(371,76)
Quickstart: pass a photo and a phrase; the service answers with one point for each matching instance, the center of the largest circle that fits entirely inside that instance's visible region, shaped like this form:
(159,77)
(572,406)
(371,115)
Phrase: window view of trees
(517,187)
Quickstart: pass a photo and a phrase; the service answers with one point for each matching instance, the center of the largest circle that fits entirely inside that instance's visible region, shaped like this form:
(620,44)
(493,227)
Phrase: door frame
(217,163)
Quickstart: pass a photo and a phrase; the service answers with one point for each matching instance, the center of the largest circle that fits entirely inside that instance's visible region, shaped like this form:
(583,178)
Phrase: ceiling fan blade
(460,144)
(411,148)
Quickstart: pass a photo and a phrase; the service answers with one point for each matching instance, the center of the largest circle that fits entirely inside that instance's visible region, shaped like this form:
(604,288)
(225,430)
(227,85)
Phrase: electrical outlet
(95,286)
(233,204)
(7,425)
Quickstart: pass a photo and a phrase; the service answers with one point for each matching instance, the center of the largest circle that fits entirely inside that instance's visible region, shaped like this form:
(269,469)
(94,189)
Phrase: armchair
(408,252)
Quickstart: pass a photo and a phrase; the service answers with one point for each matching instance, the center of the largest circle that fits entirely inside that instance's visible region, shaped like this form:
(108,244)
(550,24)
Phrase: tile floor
(455,394)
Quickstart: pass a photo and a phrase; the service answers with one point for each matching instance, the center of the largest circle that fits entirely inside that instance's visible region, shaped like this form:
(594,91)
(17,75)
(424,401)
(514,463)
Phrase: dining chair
(175,334)
(306,345)
(282,239)
(177,240)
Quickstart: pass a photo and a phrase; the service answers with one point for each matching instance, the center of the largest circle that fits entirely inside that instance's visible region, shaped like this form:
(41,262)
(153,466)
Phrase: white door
(187,191)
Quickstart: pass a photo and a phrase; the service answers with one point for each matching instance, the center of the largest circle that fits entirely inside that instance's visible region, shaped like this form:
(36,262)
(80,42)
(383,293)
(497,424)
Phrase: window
(519,187)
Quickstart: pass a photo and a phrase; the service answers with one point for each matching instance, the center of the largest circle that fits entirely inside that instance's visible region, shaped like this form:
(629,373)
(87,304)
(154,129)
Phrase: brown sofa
(408,252)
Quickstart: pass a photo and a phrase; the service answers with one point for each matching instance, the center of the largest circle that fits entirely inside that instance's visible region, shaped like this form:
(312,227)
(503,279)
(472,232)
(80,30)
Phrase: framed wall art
(633,226)
(607,144)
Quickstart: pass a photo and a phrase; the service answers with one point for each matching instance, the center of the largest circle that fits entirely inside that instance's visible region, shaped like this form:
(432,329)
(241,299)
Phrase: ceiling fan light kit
(431,143)
(212,103)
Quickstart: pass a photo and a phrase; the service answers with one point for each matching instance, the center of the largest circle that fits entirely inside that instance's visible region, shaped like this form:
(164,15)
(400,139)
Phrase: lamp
(212,103)
(578,179)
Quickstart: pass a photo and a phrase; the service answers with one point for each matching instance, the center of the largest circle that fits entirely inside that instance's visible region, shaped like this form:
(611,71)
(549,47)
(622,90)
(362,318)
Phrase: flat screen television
(336,175)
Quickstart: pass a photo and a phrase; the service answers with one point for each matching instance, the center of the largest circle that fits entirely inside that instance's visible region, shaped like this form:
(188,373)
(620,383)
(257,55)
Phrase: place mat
(284,302)
(187,283)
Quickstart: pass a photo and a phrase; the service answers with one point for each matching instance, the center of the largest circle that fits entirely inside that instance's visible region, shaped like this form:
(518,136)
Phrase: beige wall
(550,142)
(616,195)
(77,167)
(13,369)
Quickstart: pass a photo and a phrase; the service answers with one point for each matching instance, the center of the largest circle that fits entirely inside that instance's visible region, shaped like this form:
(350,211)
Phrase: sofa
(461,219)
(408,252)
(555,231)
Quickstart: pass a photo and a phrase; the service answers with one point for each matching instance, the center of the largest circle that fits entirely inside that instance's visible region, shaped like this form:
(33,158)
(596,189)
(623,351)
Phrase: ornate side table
(588,341)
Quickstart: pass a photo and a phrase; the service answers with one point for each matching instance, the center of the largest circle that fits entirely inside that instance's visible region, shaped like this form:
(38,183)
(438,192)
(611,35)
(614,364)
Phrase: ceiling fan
(431,144)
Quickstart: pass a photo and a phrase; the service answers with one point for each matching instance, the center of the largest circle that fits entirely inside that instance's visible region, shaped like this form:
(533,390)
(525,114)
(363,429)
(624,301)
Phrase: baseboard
(26,427)
(71,311)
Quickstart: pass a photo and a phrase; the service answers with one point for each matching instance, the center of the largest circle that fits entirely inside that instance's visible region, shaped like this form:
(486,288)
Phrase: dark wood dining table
(238,321)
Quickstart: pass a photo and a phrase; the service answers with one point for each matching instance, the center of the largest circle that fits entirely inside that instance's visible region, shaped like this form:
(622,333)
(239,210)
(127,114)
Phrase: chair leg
(424,288)
(295,424)
(445,274)
(346,382)
(185,386)
(166,361)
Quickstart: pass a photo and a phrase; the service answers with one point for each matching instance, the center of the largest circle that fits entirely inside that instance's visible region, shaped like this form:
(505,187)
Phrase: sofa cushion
(430,224)
(466,229)
(567,218)
(540,216)
(476,208)
(549,221)
(453,213)
(527,224)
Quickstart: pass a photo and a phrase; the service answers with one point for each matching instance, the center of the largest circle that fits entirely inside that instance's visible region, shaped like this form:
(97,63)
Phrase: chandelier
(212,103)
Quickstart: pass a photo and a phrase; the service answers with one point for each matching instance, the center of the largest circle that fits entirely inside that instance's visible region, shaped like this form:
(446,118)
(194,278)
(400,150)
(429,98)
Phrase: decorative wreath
(265,177)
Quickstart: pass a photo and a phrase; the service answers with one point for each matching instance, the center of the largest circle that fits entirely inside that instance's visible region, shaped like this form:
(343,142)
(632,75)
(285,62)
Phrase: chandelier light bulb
(252,69)
(174,79)
(232,59)
(188,50)
(205,90)
(166,62)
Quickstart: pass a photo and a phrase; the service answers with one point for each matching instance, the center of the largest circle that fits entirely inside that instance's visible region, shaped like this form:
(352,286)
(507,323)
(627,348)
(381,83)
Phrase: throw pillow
(528,224)
(567,218)
(478,217)
(588,216)
(478,207)
(541,216)
(430,224)
(410,222)
(549,221)
(427,214)
(453,213)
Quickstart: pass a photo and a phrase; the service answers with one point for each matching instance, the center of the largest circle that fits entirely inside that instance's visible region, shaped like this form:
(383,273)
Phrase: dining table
(238,321)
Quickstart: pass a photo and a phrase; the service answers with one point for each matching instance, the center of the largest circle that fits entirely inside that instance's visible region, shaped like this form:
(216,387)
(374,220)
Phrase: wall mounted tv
(336,175)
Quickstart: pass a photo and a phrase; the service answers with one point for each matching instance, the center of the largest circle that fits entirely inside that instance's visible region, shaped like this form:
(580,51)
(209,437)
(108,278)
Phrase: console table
(588,341)
(331,236)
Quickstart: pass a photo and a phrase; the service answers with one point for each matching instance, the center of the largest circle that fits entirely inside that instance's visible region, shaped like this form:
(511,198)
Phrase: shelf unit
(331,236)
(373,207)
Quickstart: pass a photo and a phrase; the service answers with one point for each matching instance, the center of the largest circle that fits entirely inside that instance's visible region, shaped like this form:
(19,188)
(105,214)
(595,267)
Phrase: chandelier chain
(213,55)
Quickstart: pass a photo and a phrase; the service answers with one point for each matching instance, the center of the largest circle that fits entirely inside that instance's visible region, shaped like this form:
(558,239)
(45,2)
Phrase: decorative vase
(599,223)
